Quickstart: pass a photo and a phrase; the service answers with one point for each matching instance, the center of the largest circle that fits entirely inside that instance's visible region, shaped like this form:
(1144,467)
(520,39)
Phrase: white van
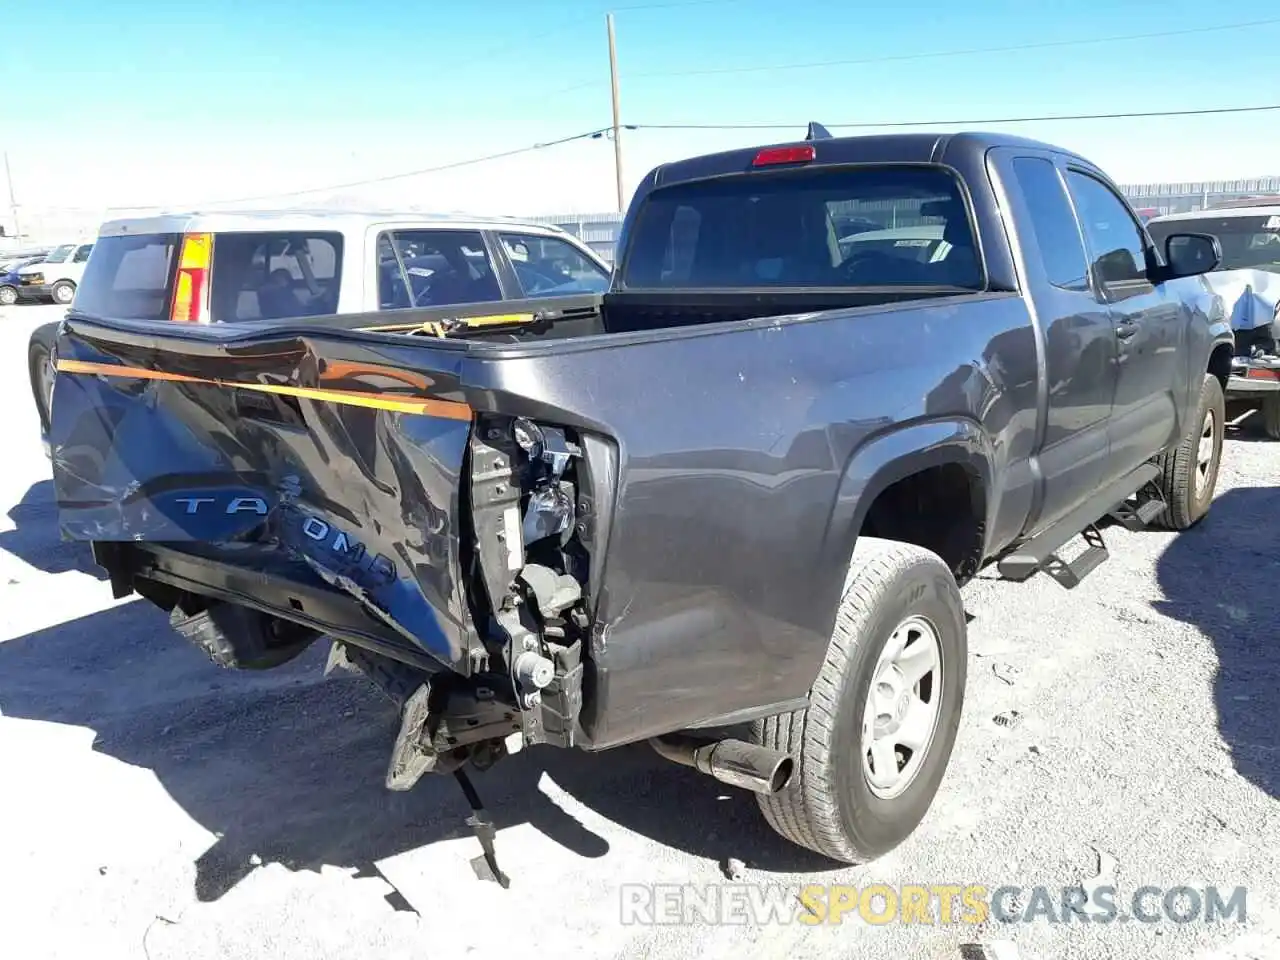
(57,276)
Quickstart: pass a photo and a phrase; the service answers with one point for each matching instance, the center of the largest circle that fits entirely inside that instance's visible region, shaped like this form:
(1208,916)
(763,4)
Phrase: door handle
(1127,329)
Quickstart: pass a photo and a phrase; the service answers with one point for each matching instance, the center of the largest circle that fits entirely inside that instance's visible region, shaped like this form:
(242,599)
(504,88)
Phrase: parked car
(1248,280)
(10,280)
(11,259)
(249,267)
(745,491)
(56,277)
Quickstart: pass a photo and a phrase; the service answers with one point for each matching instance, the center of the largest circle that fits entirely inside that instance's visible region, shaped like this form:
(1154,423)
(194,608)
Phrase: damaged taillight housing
(550,510)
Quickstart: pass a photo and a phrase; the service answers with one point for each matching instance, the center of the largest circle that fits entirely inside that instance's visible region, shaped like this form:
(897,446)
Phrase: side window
(393,293)
(444,267)
(275,275)
(1116,243)
(548,266)
(1053,223)
(82,254)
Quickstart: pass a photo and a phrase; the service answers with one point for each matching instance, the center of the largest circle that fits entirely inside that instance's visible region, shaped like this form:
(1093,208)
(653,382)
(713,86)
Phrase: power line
(952,123)
(670,4)
(968,51)
(416,173)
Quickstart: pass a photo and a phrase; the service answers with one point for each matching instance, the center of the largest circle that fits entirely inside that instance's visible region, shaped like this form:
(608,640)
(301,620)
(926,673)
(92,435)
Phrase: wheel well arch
(1220,363)
(941,507)
(929,483)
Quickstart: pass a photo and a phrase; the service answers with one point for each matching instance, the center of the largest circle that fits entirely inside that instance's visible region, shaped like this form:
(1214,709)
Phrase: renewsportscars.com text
(932,904)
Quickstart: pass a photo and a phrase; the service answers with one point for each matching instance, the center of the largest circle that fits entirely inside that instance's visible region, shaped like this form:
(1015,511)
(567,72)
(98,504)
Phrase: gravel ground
(157,807)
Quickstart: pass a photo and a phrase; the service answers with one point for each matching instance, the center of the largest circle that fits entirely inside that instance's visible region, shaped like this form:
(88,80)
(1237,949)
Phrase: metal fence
(600,230)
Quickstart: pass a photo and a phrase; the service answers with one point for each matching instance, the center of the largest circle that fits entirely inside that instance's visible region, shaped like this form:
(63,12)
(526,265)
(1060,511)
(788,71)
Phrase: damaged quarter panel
(742,457)
(349,486)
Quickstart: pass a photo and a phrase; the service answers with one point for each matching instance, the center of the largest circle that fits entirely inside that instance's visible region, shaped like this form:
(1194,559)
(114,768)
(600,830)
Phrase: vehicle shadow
(1221,578)
(287,766)
(35,538)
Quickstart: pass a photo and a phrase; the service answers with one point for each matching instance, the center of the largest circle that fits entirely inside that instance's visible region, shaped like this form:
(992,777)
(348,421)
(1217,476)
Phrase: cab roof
(873,148)
(343,221)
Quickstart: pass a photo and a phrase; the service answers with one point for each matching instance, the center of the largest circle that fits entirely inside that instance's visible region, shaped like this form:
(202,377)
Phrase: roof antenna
(817,132)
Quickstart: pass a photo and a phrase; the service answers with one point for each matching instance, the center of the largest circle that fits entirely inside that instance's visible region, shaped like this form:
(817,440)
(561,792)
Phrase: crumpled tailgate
(311,449)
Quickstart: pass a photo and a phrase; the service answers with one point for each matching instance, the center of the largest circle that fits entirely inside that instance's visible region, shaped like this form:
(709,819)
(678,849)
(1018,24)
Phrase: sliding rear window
(129,277)
(835,227)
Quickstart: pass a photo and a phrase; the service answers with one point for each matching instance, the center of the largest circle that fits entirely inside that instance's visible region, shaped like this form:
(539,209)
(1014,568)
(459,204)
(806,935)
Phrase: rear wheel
(8,296)
(40,370)
(1189,472)
(64,291)
(872,746)
(1271,415)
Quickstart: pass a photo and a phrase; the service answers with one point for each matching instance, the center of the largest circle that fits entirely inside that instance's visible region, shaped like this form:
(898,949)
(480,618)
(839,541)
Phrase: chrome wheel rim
(8,297)
(1204,450)
(46,383)
(901,715)
(63,294)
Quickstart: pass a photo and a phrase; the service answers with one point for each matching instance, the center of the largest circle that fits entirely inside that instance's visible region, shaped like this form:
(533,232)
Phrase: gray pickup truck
(739,490)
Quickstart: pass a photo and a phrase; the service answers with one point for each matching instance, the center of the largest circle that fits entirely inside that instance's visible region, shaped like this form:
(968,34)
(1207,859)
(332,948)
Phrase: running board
(1069,574)
(1040,552)
(1137,519)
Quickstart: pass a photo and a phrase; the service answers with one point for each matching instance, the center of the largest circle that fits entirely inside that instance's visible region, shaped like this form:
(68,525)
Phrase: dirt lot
(155,806)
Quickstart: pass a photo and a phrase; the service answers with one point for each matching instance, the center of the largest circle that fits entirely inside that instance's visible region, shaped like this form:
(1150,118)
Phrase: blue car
(9,279)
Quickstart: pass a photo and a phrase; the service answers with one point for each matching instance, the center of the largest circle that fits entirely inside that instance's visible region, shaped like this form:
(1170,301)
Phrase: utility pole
(617,110)
(13,204)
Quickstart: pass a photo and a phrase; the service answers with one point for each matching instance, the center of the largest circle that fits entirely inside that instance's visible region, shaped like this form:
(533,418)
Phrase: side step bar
(1040,552)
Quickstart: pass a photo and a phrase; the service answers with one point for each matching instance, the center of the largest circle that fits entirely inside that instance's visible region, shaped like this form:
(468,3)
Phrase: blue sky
(148,102)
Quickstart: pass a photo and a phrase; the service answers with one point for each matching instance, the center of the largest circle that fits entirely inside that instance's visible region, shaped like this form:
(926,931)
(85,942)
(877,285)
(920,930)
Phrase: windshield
(59,254)
(1248,243)
(551,266)
(876,226)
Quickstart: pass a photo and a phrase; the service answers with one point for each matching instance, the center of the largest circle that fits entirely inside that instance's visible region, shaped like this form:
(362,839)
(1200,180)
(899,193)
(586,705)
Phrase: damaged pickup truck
(742,492)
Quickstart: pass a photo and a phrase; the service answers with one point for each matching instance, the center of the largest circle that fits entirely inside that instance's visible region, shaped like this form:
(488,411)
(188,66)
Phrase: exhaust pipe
(735,762)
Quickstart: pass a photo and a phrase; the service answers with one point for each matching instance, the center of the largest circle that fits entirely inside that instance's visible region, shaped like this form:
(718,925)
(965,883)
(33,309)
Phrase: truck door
(1075,333)
(1148,321)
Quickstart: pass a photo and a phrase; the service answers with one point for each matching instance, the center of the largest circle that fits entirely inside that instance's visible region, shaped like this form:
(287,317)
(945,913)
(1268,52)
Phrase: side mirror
(1190,254)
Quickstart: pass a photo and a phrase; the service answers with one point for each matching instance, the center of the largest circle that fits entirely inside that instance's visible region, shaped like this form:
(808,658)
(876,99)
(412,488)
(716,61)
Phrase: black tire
(828,805)
(8,295)
(1187,494)
(63,292)
(238,638)
(39,349)
(1271,415)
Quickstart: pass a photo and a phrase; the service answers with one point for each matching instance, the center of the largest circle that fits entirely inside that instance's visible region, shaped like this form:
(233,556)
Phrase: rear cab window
(877,226)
